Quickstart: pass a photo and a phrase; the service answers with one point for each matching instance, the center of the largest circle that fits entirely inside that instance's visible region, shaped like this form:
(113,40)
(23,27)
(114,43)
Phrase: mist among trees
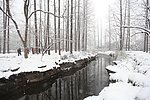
(70,25)
(45,25)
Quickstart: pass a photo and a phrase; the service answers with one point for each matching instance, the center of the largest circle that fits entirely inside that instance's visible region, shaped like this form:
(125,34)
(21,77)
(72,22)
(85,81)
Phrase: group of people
(27,50)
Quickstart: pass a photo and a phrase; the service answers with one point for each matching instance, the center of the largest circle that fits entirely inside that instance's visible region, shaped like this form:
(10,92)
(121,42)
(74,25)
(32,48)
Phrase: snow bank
(13,64)
(116,91)
(132,78)
(143,94)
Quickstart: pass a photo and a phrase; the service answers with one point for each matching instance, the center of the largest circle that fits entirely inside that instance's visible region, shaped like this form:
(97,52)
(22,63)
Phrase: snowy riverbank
(131,80)
(12,64)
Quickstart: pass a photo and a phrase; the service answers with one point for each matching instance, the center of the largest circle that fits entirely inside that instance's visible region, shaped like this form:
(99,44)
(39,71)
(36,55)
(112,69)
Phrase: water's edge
(22,83)
(72,81)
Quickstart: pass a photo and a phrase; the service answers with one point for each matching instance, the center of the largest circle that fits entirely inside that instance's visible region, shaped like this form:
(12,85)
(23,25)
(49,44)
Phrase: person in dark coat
(19,51)
(33,50)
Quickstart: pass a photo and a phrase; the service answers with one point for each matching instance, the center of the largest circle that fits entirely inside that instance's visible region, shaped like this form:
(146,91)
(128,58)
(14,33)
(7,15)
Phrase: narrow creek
(90,80)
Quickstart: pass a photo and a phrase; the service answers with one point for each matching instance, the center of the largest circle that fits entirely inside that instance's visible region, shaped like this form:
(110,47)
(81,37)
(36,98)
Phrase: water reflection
(87,81)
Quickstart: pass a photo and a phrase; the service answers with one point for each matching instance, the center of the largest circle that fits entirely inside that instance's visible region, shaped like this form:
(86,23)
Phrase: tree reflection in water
(85,82)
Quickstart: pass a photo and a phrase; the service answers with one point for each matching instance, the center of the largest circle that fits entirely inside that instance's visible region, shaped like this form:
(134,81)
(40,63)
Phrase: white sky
(101,9)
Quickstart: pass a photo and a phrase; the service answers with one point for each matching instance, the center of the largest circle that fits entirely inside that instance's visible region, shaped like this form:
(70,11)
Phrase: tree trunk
(40,28)
(59,27)
(26,10)
(71,28)
(98,35)
(75,29)
(121,38)
(67,29)
(30,30)
(124,23)
(86,22)
(83,26)
(63,34)
(36,31)
(128,29)
(8,35)
(0,44)
(55,27)
(109,30)
(101,24)
(7,23)
(48,36)
(78,25)
(4,27)
(45,28)
(146,24)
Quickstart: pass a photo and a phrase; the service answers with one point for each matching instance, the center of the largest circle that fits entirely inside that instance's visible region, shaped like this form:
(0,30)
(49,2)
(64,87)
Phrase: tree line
(49,25)
(127,23)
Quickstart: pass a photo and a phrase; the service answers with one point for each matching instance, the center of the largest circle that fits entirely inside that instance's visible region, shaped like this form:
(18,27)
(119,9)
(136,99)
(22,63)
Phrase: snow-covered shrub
(64,57)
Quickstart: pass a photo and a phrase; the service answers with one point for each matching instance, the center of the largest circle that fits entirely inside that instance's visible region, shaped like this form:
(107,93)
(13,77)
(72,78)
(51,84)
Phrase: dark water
(87,81)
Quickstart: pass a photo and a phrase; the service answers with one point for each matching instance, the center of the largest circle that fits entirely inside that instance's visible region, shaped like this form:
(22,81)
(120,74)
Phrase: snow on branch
(141,28)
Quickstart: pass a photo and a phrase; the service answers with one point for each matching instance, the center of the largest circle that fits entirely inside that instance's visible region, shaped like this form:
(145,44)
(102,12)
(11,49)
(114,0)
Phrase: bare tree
(4,27)
(40,27)
(26,12)
(67,28)
(24,41)
(78,25)
(63,33)
(75,25)
(124,19)
(86,24)
(45,27)
(36,30)
(147,26)
(109,30)
(8,32)
(48,33)
(0,44)
(128,30)
(59,27)
(8,25)
(55,27)
(83,25)
(71,28)
(121,23)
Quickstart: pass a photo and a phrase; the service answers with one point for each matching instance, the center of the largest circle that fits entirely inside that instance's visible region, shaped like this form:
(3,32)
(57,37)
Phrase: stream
(88,81)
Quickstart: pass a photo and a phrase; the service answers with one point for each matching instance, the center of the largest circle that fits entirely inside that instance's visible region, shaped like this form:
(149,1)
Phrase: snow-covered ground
(132,78)
(10,62)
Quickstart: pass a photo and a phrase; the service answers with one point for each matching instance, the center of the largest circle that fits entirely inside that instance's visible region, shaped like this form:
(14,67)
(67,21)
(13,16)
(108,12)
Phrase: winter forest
(46,25)
(72,25)
(81,49)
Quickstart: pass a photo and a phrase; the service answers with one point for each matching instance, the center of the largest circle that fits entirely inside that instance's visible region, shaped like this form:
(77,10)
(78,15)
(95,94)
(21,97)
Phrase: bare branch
(49,46)
(141,28)
(136,34)
(44,12)
(16,25)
